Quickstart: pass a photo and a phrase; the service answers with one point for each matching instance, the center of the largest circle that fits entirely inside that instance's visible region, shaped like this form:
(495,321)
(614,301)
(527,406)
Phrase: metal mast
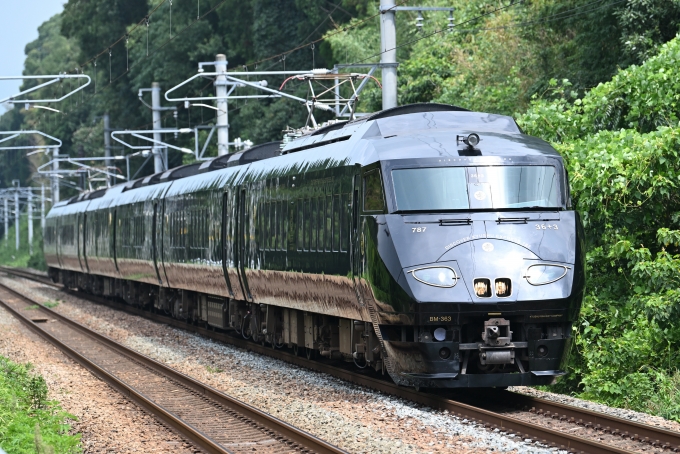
(156,111)
(55,176)
(107,143)
(388,56)
(222,114)
(6,200)
(16,214)
(30,222)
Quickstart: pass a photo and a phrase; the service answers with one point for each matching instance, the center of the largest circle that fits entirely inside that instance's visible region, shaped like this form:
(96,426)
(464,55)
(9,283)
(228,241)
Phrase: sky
(21,19)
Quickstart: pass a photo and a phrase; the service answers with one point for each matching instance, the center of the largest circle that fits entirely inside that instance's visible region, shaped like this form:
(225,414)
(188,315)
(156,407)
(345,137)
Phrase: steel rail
(636,431)
(306,441)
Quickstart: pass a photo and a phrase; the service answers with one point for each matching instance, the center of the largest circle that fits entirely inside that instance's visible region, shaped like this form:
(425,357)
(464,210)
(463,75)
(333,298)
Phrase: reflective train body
(392,242)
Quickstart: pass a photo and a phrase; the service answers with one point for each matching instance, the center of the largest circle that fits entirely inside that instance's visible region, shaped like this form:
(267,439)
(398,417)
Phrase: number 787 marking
(418,229)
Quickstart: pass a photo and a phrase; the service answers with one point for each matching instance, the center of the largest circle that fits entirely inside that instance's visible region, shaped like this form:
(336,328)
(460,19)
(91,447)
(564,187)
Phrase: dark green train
(432,243)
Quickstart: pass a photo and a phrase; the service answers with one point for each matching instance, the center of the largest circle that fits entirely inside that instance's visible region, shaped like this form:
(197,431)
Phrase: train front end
(476,261)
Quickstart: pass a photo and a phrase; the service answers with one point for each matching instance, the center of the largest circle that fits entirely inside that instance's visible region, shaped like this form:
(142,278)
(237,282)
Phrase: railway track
(571,428)
(212,421)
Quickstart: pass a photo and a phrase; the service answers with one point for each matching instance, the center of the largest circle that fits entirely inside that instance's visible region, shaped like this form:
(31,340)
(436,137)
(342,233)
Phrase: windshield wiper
(451,222)
(512,220)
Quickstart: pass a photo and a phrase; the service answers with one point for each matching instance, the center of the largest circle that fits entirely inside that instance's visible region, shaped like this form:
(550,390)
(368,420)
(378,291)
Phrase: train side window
(279,226)
(344,222)
(300,224)
(261,236)
(374,199)
(321,223)
(307,222)
(336,222)
(314,214)
(267,231)
(329,222)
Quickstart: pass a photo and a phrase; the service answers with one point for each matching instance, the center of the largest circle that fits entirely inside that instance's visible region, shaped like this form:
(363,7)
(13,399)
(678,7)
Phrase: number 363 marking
(546,226)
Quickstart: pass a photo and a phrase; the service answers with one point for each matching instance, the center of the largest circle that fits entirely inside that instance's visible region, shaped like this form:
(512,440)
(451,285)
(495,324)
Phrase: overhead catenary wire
(551,18)
(337,32)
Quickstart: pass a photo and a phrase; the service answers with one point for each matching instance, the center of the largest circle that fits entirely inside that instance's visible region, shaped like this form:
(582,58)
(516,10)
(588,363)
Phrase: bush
(621,143)
(31,423)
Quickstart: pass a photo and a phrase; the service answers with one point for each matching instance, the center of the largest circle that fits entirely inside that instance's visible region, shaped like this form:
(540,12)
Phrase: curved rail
(634,431)
(178,400)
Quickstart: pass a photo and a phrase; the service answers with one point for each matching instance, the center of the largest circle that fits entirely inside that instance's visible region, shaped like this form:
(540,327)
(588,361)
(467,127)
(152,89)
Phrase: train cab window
(461,188)
(373,192)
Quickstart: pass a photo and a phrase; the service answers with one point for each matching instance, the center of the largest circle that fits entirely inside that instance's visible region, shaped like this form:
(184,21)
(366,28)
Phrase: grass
(29,422)
(10,256)
(51,304)
(213,370)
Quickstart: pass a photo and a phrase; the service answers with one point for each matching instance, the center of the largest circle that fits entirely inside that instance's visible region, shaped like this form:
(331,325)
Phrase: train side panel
(134,241)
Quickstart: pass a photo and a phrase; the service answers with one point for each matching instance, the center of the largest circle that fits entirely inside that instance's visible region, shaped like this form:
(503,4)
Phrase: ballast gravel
(630,415)
(106,420)
(353,418)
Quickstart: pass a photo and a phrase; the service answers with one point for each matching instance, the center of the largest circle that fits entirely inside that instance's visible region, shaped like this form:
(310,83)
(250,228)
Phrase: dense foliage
(622,144)
(30,422)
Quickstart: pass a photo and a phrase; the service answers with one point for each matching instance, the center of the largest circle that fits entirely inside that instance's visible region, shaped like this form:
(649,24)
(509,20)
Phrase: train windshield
(464,188)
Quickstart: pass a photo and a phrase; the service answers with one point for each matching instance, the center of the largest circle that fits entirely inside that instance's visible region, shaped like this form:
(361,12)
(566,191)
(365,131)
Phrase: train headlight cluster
(437,276)
(545,274)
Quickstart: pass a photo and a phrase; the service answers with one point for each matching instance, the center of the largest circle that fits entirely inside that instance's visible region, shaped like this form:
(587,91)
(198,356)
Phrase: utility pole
(107,144)
(388,44)
(156,112)
(55,177)
(388,56)
(6,221)
(222,113)
(42,208)
(30,221)
(16,215)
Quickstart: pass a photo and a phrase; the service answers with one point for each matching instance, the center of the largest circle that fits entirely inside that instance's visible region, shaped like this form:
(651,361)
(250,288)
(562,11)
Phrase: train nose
(488,271)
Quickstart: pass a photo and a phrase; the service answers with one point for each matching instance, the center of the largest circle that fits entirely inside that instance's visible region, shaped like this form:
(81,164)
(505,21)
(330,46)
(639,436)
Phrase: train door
(80,239)
(57,239)
(114,239)
(242,243)
(355,229)
(155,237)
(84,255)
(226,243)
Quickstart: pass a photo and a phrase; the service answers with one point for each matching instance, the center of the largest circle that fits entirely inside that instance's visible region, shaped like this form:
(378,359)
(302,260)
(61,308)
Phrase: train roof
(398,133)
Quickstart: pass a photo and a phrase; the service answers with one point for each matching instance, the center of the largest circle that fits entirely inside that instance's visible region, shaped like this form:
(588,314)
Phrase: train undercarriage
(479,352)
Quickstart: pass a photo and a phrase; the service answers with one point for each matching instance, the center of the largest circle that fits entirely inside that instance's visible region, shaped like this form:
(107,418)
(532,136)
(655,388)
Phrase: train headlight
(437,276)
(545,274)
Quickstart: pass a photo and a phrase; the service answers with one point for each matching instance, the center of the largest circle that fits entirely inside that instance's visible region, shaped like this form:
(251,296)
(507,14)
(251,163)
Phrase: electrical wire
(474,19)
(558,16)
(337,32)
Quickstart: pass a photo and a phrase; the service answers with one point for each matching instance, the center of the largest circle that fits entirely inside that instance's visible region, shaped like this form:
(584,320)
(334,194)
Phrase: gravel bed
(630,415)
(106,420)
(351,417)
